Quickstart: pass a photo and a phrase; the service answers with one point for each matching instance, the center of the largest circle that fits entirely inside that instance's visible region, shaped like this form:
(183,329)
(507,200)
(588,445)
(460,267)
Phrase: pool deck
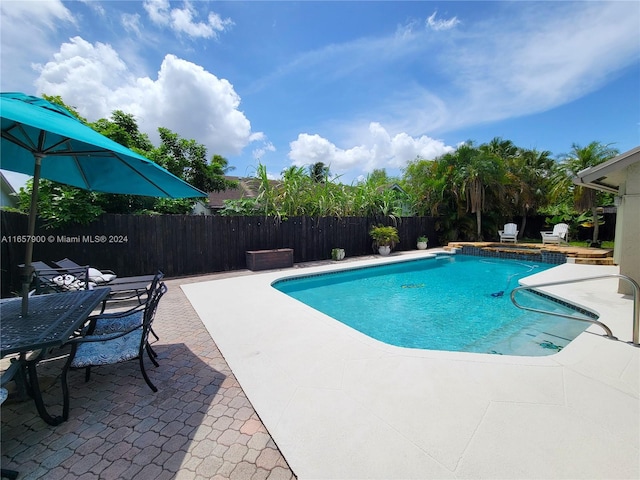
(339,404)
(333,402)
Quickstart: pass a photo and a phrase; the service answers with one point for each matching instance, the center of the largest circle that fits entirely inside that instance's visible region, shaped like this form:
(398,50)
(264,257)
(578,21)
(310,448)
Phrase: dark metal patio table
(51,321)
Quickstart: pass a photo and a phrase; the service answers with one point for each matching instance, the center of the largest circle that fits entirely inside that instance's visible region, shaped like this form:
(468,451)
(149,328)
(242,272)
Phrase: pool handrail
(636,308)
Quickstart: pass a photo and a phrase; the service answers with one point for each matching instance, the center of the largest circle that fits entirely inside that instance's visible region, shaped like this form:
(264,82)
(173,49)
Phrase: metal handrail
(636,306)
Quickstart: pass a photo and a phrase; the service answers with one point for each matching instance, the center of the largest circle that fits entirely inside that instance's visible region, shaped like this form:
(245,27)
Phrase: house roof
(609,175)
(6,185)
(248,187)
(7,198)
(244,190)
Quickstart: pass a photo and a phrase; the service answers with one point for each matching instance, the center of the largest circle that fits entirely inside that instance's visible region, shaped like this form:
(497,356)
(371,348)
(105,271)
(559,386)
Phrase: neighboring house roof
(7,197)
(397,188)
(609,175)
(393,187)
(248,187)
(216,199)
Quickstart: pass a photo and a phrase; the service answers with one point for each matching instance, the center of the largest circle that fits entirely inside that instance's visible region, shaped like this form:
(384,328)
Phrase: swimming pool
(452,302)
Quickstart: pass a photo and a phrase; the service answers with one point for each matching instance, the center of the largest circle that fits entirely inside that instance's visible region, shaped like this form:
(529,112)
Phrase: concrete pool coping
(342,405)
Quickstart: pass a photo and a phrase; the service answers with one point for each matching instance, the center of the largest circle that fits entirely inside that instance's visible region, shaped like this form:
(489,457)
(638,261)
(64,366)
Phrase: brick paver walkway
(199,425)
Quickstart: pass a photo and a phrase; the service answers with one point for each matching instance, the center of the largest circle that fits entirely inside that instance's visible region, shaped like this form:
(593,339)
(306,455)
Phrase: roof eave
(596,177)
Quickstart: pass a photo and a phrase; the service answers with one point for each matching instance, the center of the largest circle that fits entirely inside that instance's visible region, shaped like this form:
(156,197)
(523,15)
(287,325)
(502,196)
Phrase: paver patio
(199,425)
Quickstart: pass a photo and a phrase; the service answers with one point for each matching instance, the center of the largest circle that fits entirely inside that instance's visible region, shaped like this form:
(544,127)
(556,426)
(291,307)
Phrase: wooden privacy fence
(181,245)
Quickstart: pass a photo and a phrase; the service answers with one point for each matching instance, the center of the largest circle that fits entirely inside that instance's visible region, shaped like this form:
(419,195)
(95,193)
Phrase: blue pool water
(455,303)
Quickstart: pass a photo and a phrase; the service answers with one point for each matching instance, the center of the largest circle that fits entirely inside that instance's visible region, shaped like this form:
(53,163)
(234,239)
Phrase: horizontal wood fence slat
(182,245)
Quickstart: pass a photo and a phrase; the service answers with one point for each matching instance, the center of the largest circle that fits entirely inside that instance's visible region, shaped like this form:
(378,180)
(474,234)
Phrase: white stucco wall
(627,247)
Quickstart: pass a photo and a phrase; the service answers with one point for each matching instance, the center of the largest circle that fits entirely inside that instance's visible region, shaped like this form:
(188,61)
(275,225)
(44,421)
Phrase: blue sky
(356,85)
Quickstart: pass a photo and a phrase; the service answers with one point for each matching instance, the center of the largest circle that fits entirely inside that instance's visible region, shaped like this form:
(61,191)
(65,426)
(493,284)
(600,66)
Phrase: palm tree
(528,175)
(477,169)
(319,172)
(584,199)
(505,149)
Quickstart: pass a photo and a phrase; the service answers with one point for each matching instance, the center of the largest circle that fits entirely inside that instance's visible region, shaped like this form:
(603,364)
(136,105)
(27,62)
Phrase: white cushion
(97,276)
(68,282)
(62,280)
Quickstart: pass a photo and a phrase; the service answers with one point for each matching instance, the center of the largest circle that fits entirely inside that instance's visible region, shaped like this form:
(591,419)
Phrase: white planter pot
(337,254)
(384,250)
(422,245)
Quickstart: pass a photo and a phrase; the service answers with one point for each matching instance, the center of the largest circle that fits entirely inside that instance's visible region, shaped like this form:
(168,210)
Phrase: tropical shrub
(384,236)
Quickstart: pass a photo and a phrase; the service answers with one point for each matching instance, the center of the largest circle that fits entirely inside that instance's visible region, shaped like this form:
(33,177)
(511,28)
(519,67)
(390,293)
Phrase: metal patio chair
(7,376)
(114,338)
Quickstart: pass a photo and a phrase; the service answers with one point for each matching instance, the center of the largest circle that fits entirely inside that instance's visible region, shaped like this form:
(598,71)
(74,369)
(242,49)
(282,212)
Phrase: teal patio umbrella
(43,139)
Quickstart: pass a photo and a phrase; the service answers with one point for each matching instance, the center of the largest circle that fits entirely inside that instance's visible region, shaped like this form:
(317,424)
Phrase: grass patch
(577,243)
(605,244)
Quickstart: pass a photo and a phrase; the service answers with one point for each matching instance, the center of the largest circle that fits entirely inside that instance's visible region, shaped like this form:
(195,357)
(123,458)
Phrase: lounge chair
(48,279)
(104,277)
(509,234)
(559,234)
(122,288)
(95,275)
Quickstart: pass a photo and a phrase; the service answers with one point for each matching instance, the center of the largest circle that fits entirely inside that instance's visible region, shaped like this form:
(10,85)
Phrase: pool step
(594,261)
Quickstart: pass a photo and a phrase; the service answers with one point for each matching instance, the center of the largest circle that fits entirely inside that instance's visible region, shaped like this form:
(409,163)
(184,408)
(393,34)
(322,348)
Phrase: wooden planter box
(269,259)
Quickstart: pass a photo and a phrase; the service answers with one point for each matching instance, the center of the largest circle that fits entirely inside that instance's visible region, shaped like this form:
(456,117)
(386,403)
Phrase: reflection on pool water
(455,303)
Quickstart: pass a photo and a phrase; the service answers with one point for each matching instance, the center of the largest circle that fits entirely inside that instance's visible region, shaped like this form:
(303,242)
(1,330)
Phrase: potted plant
(422,242)
(384,238)
(337,253)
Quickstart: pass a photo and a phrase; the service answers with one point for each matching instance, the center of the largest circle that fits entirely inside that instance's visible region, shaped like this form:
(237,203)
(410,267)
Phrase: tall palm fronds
(584,199)
(527,185)
(478,169)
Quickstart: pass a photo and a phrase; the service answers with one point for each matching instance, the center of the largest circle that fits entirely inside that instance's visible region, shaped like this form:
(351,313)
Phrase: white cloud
(258,153)
(27,28)
(441,24)
(95,6)
(498,69)
(42,14)
(541,61)
(182,20)
(84,75)
(184,98)
(131,23)
(518,61)
(378,149)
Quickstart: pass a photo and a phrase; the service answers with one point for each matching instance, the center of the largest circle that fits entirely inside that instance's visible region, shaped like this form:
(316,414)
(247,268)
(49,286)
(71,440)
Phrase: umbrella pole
(27,272)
